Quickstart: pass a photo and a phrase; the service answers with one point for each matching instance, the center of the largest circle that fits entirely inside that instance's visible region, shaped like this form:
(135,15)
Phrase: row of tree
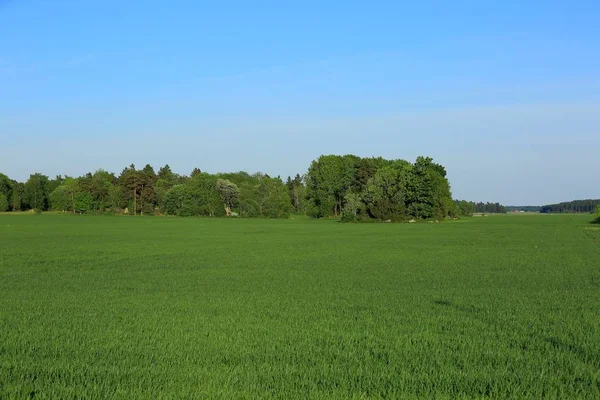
(346,186)
(468,208)
(523,208)
(575,206)
(143,191)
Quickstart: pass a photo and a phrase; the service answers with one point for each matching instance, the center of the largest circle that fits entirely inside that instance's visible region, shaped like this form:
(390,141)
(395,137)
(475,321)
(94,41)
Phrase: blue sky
(505,95)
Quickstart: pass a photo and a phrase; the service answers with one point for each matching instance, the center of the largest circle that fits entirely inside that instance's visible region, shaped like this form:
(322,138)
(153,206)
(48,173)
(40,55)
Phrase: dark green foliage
(468,208)
(523,208)
(260,195)
(172,308)
(195,172)
(16,197)
(115,198)
(386,189)
(60,199)
(465,208)
(575,206)
(385,194)
(35,194)
(353,207)
(83,202)
(3,202)
(178,201)
(6,186)
(198,196)
(390,189)
(329,179)
(130,181)
(297,192)
(54,183)
(273,198)
(166,174)
(229,193)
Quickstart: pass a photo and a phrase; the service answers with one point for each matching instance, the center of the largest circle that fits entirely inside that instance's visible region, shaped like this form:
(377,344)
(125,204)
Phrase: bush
(349,216)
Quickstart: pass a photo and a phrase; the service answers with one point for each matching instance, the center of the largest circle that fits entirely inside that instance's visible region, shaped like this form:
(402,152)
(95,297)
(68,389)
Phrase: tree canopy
(387,189)
(575,206)
(335,186)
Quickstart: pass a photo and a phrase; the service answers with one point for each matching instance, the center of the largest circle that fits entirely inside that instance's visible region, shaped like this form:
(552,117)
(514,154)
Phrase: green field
(150,307)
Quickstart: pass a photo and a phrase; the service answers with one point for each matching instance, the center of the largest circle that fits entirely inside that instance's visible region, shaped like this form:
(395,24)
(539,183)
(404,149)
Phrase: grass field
(149,307)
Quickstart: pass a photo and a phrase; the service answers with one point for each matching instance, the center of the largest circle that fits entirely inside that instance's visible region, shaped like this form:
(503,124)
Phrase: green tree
(353,205)
(6,186)
(148,198)
(598,213)
(3,202)
(16,197)
(166,174)
(60,199)
(197,196)
(130,182)
(385,194)
(195,172)
(328,180)
(98,186)
(297,192)
(83,202)
(428,191)
(160,189)
(54,183)
(465,208)
(115,196)
(36,192)
(273,198)
(229,193)
(178,200)
(71,186)
(206,198)
(64,197)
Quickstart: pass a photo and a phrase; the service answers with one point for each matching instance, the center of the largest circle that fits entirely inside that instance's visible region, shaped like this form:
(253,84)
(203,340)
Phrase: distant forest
(470,207)
(347,187)
(523,208)
(575,206)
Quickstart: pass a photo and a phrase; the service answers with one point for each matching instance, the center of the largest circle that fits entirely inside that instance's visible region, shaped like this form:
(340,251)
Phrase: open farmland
(150,307)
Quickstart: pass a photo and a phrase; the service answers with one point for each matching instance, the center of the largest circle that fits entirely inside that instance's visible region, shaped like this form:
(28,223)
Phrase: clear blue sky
(505,95)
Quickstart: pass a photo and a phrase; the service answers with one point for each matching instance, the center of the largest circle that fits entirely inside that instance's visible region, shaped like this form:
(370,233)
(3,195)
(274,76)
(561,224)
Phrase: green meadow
(175,308)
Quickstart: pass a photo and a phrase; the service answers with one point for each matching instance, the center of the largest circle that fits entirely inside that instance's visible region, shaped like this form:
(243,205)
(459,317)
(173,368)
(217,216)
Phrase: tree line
(523,208)
(146,192)
(575,206)
(347,187)
(468,208)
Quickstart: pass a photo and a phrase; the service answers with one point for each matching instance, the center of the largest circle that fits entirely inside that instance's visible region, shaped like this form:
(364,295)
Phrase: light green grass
(106,307)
